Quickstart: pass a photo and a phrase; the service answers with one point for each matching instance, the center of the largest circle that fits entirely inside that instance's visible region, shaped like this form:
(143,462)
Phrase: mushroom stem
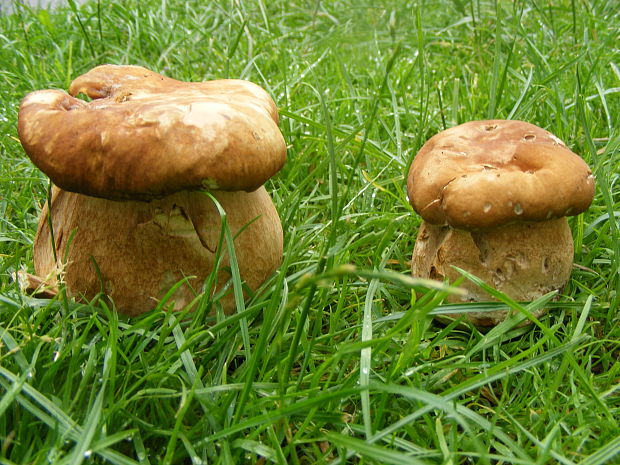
(523,260)
(136,251)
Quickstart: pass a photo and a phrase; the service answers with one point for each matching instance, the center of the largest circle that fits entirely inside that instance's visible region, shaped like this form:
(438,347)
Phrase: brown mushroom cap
(484,174)
(145,135)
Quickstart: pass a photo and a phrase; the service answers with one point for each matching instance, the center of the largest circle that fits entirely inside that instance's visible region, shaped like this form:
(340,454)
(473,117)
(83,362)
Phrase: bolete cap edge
(145,135)
(484,174)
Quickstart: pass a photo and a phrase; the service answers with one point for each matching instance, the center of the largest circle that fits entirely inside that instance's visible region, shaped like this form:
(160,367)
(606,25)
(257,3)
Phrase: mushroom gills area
(135,252)
(522,260)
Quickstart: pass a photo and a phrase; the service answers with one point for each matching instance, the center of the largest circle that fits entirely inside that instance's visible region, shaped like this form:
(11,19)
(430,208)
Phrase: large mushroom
(494,196)
(128,216)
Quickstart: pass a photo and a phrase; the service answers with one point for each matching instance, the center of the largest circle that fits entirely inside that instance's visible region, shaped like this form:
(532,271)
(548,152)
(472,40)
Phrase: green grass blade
(373,452)
(605,455)
(366,356)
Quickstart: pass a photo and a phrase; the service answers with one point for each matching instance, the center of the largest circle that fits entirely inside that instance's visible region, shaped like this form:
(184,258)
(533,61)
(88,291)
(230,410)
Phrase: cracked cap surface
(145,136)
(484,174)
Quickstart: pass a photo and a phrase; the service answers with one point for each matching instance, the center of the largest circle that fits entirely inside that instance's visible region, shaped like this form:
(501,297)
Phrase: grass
(337,358)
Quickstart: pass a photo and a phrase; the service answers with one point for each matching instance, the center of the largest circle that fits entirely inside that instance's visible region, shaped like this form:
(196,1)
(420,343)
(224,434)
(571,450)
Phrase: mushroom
(494,196)
(128,215)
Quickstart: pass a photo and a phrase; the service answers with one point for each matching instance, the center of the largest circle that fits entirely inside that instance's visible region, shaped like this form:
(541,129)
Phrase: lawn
(337,358)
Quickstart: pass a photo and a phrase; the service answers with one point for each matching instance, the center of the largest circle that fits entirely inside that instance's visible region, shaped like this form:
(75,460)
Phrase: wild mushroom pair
(128,219)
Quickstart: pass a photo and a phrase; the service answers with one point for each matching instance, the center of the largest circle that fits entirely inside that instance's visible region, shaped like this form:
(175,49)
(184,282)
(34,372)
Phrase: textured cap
(484,174)
(145,135)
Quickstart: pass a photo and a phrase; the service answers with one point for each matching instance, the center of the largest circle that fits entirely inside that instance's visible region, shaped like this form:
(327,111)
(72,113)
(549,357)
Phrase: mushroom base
(523,260)
(134,252)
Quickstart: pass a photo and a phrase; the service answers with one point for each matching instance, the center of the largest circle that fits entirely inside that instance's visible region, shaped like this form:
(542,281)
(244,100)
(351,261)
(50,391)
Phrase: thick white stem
(136,251)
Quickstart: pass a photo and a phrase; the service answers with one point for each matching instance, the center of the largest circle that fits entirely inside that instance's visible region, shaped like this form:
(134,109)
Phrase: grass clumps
(336,359)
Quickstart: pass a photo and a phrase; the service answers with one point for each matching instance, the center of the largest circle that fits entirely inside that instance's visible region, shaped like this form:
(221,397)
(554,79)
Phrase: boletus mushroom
(128,211)
(494,197)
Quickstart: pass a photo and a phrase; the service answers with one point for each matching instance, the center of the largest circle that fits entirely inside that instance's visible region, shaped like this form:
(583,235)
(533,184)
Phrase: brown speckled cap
(484,174)
(145,135)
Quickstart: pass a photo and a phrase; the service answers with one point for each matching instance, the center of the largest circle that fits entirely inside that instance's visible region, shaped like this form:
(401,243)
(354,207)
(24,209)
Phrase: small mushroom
(494,196)
(127,214)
